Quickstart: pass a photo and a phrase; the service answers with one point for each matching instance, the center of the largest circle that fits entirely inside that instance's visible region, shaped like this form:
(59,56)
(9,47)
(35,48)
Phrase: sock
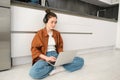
(57,70)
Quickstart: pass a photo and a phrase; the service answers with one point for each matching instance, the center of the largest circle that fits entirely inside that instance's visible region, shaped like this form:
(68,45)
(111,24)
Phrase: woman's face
(51,23)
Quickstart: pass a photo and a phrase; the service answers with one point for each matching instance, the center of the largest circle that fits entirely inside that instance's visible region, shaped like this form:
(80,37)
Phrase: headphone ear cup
(45,20)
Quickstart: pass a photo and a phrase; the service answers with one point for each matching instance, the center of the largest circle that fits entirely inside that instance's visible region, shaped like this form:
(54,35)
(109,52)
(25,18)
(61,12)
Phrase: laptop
(64,58)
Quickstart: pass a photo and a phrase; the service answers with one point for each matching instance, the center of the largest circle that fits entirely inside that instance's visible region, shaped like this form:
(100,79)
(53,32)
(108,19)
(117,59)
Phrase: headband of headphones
(48,15)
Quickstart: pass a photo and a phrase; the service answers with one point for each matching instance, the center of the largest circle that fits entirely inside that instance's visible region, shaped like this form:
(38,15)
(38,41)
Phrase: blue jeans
(41,68)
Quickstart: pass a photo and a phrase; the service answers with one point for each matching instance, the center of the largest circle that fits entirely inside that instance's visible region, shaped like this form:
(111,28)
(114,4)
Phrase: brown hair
(48,15)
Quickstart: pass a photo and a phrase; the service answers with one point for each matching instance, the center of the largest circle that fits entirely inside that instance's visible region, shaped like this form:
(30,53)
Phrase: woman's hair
(48,15)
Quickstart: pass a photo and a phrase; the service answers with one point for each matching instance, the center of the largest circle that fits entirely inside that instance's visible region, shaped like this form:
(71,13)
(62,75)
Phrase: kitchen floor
(98,66)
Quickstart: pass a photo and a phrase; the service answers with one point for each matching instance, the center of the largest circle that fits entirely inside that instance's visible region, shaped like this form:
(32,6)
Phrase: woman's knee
(75,65)
(79,61)
(40,70)
(41,73)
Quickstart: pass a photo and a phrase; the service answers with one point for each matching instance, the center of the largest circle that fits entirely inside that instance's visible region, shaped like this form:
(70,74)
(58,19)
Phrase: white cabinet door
(21,44)
(106,1)
(110,2)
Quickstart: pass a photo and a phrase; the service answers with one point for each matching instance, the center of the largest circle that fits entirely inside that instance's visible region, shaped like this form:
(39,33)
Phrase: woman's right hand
(50,59)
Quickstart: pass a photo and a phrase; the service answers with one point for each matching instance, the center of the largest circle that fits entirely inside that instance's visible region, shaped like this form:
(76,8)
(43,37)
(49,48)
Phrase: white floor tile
(98,66)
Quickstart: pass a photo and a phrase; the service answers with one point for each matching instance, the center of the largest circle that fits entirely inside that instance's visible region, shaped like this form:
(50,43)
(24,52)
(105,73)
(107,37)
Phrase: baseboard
(28,59)
(96,49)
(21,60)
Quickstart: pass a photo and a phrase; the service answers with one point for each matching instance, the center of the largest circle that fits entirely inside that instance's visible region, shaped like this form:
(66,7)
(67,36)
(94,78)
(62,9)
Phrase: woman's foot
(57,70)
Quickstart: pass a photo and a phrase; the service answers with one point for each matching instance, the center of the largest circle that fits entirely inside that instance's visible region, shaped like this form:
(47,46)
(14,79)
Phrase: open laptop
(64,58)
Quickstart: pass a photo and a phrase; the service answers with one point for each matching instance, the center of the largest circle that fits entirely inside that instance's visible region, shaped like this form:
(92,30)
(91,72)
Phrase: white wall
(118,30)
(26,19)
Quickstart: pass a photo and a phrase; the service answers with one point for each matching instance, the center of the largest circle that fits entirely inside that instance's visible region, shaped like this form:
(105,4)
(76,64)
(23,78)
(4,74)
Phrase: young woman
(46,45)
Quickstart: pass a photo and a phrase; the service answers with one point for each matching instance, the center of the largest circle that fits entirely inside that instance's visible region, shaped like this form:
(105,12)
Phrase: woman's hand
(50,59)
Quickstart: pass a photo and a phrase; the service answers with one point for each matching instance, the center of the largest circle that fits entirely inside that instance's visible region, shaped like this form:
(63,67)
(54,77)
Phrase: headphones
(47,16)
(45,20)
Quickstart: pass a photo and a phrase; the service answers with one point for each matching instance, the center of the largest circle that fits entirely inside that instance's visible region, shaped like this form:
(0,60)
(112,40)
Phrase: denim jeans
(41,68)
